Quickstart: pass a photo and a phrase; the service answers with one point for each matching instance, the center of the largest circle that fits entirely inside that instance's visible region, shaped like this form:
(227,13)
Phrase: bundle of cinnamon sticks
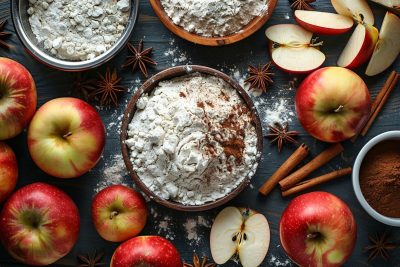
(293,183)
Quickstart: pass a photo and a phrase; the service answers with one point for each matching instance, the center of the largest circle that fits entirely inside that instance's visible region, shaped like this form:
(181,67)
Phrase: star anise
(281,135)
(82,86)
(140,58)
(107,88)
(261,77)
(380,246)
(197,263)
(301,4)
(3,35)
(91,259)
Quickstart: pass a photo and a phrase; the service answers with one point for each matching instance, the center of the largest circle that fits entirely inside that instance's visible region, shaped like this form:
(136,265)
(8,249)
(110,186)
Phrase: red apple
(119,213)
(39,224)
(8,171)
(360,46)
(17,98)
(318,229)
(152,251)
(359,10)
(332,104)
(323,22)
(66,137)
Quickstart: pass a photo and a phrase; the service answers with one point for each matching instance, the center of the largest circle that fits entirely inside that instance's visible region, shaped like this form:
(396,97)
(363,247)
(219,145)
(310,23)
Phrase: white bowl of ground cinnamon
(376,178)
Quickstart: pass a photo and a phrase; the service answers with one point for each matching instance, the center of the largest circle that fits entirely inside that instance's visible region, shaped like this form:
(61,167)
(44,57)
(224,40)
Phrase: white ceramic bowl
(392,135)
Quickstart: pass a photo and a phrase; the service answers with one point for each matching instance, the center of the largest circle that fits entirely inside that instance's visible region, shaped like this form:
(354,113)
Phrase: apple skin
(325,91)
(320,30)
(152,251)
(17,98)
(119,213)
(365,53)
(8,171)
(66,137)
(324,215)
(39,224)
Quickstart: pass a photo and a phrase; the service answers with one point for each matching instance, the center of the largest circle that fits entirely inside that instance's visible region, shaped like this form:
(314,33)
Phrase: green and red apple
(66,137)
(333,104)
(39,224)
(8,171)
(318,229)
(17,98)
(146,251)
(119,213)
(242,233)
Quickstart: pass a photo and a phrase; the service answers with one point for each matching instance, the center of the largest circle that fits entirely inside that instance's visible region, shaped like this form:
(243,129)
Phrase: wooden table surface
(233,60)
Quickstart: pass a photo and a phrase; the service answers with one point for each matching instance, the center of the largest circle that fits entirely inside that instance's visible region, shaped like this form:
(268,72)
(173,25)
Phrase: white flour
(213,17)
(192,140)
(78,29)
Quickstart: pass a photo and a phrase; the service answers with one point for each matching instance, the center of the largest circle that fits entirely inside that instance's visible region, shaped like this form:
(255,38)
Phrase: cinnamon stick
(388,86)
(316,181)
(381,102)
(320,160)
(297,156)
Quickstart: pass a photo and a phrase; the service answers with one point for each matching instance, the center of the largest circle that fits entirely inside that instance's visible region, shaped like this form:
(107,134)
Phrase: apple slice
(292,49)
(388,46)
(360,46)
(240,232)
(323,22)
(393,5)
(356,9)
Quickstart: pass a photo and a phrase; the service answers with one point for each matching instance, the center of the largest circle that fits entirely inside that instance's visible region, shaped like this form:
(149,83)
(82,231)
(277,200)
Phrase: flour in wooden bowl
(214,18)
(193,140)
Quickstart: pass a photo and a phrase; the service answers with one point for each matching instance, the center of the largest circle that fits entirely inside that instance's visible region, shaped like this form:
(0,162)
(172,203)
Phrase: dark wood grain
(253,50)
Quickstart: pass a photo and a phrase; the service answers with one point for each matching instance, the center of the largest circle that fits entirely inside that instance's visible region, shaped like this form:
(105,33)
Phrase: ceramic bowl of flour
(191,138)
(213,22)
(75,35)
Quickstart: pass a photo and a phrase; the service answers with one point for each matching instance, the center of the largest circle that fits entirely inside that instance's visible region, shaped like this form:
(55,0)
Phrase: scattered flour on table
(176,55)
(78,30)
(192,140)
(214,17)
(276,261)
(193,227)
(114,173)
(278,108)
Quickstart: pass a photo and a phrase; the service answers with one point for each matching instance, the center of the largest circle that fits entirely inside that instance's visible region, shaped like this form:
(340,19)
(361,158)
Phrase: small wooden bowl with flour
(190,31)
(202,169)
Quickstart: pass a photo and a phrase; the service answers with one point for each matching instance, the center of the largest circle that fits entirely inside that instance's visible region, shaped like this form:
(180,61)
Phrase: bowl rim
(246,31)
(390,135)
(148,86)
(72,66)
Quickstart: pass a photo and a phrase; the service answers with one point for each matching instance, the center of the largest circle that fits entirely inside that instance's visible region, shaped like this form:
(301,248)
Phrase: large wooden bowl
(147,87)
(248,30)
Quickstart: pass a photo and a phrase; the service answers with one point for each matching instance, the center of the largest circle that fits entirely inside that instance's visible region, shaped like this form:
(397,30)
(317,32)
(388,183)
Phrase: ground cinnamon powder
(380,178)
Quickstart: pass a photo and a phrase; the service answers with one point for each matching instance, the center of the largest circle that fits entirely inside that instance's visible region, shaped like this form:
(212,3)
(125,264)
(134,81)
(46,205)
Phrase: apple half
(388,46)
(240,232)
(293,49)
(359,10)
(323,22)
(392,5)
(360,46)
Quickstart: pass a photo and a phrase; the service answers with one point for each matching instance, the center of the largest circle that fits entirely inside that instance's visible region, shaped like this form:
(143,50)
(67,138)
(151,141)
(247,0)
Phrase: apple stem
(339,109)
(65,136)
(113,214)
